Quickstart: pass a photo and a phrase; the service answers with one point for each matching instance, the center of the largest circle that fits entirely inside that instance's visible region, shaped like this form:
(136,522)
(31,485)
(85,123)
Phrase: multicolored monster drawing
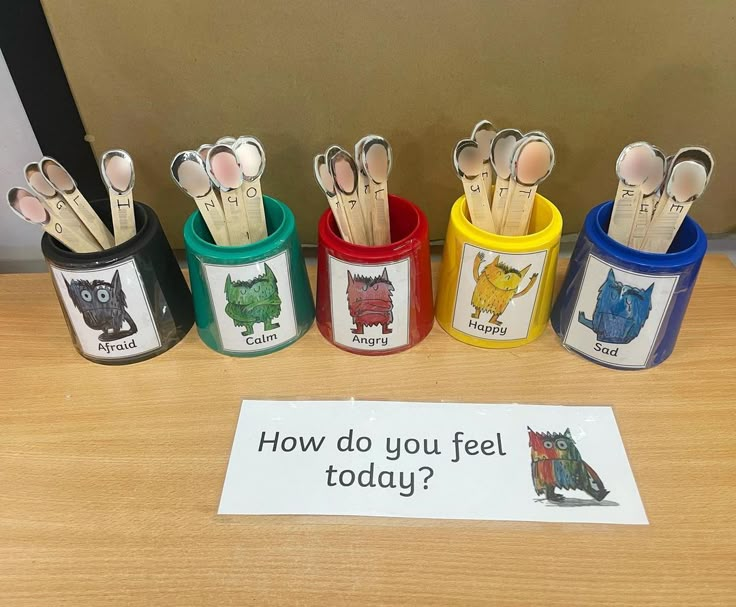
(102,305)
(620,311)
(496,286)
(253,301)
(557,463)
(370,302)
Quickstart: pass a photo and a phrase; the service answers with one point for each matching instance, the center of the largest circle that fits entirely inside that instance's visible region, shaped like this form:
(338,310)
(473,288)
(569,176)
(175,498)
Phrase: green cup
(252,299)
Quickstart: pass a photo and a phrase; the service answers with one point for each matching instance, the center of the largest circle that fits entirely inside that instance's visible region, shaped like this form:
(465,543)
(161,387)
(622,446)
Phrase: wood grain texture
(110,476)
(155,78)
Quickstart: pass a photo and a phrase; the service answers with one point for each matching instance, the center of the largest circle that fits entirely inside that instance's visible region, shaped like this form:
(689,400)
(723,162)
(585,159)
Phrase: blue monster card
(618,313)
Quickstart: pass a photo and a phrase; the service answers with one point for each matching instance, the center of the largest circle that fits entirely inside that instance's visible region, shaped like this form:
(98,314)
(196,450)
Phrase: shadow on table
(576,502)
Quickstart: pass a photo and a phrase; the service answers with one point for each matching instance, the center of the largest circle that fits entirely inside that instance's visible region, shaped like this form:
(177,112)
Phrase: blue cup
(622,308)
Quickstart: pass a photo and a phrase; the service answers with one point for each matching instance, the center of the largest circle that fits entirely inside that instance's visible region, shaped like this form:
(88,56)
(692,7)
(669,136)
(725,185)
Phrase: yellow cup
(496,291)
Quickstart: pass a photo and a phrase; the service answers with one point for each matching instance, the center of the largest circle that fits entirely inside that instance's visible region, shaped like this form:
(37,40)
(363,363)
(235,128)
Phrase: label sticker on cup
(370,304)
(108,310)
(496,293)
(253,303)
(618,314)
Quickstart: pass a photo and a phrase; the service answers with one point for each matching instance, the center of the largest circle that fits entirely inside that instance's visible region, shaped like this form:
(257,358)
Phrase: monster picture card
(618,314)
(564,464)
(496,293)
(108,310)
(370,304)
(252,303)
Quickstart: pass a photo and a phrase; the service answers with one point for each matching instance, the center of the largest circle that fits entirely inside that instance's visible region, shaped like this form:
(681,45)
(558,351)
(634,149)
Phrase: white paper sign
(431,460)
(108,310)
(253,303)
(370,304)
(618,314)
(496,293)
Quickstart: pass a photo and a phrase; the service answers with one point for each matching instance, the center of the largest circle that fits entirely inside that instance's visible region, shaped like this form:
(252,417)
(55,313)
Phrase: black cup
(127,303)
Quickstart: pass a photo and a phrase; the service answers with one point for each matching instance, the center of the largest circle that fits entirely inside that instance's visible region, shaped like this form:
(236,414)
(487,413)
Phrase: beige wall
(156,76)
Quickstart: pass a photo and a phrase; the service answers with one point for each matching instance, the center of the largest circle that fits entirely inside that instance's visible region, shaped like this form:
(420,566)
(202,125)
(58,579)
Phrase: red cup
(376,300)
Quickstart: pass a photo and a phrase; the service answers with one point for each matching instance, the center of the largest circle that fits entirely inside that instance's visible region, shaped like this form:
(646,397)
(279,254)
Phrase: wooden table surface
(110,477)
